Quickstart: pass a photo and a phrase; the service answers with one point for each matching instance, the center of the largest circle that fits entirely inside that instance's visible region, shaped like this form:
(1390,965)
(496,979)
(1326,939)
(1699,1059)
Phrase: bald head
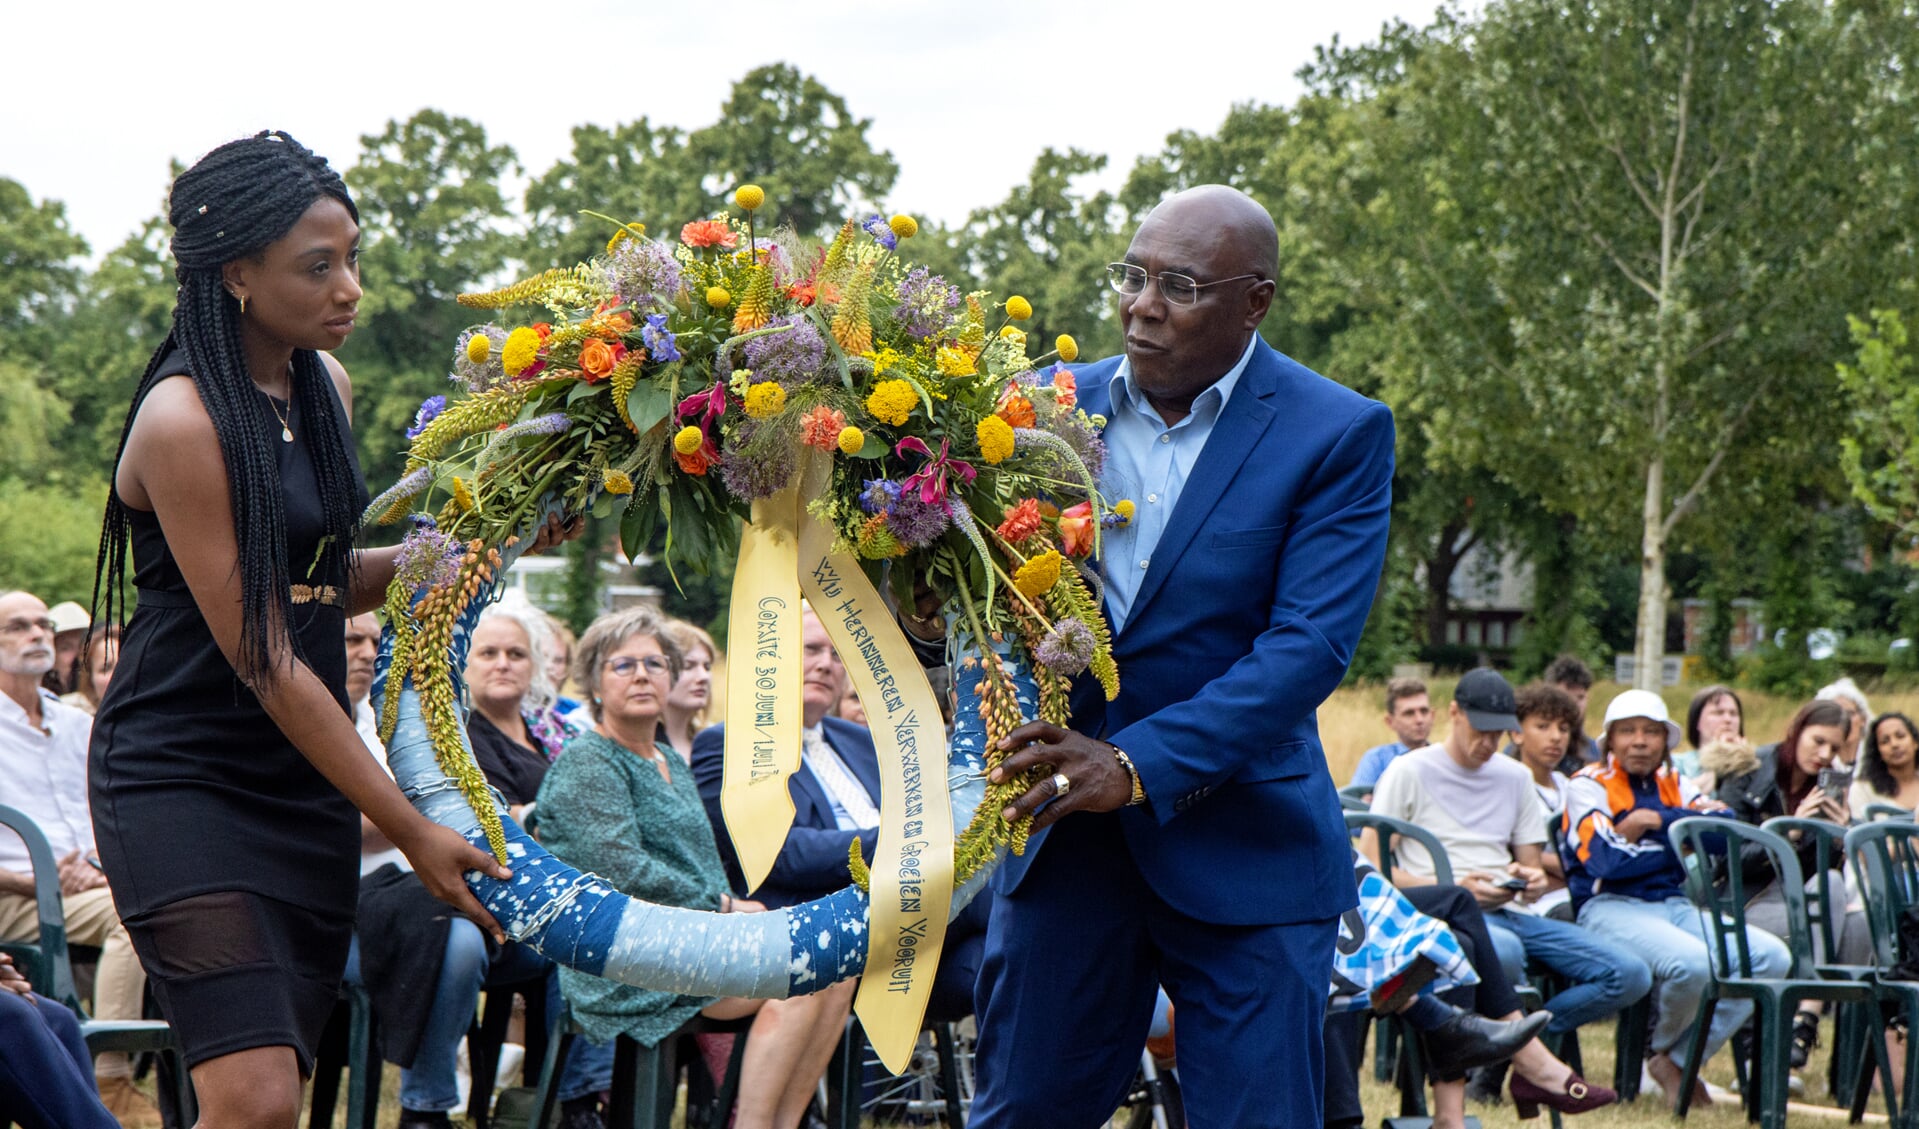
(1236,221)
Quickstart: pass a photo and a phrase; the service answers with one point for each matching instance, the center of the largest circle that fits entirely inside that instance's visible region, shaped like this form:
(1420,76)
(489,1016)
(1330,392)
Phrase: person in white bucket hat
(1628,884)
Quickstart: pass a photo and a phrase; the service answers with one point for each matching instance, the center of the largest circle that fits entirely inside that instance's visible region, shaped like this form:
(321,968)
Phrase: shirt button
(1165,438)
(1144,563)
(1152,497)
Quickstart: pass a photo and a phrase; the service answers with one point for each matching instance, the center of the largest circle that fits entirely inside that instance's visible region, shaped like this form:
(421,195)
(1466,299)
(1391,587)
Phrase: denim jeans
(429,1084)
(1605,976)
(1671,938)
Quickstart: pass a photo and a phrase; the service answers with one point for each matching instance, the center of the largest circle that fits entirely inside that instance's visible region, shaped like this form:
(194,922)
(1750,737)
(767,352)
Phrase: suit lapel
(861,761)
(1241,423)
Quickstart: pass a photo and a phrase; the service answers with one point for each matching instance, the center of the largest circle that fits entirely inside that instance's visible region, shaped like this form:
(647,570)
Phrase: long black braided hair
(231,205)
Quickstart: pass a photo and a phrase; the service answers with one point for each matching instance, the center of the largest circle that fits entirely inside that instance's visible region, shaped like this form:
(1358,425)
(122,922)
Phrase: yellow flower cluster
(688,439)
(462,497)
(995,439)
(1018,308)
(765,399)
(953,361)
(718,298)
(884,360)
(478,348)
(1037,576)
(618,482)
(749,196)
(1067,347)
(892,401)
(522,348)
(851,440)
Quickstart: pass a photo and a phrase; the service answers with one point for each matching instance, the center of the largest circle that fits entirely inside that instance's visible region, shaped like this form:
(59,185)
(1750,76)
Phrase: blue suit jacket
(1246,621)
(812,864)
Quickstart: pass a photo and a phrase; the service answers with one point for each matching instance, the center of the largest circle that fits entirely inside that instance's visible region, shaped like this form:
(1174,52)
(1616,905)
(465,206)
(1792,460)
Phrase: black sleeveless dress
(233,862)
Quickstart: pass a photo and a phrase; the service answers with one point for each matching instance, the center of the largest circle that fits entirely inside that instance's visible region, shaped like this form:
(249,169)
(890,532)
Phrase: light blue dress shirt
(1148,462)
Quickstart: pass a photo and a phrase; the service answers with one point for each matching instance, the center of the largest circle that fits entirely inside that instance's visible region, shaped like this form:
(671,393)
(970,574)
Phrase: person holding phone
(1800,776)
(1486,813)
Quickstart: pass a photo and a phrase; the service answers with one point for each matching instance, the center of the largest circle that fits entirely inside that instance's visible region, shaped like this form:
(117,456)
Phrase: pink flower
(1076,529)
(938,473)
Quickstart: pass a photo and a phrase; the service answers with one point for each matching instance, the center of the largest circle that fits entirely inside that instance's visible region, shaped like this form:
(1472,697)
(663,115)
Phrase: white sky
(98,97)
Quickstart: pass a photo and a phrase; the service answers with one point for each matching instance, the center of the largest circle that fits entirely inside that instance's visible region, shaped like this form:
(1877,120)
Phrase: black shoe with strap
(1805,1036)
(1467,1040)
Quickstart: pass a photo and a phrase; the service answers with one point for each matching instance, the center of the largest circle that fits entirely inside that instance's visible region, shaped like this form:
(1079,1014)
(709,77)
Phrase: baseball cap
(1646,704)
(69,616)
(1487,698)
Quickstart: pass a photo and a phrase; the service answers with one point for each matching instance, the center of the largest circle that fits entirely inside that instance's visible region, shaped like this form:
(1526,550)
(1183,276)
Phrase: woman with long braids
(225,768)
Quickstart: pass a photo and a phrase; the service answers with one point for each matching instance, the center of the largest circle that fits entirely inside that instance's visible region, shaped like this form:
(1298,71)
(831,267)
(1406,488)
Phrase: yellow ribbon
(763,686)
(912,871)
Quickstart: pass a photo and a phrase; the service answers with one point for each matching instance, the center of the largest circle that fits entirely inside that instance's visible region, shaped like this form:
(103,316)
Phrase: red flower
(1022,521)
(708,233)
(695,463)
(803,292)
(821,427)
(1066,385)
(1076,529)
(938,472)
(1015,409)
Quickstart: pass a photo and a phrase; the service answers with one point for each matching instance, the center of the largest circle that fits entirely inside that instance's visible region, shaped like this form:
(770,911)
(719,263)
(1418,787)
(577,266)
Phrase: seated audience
(514,731)
(424,965)
(1409,714)
(1798,777)
(1852,699)
(43,773)
(1629,884)
(851,708)
(1887,772)
(1571,675)
(96,663)
(1715,716)
(1487,816)
(619,805)
(46,1073)
(71,624)
(1547,720)
(559,661)
(692,693)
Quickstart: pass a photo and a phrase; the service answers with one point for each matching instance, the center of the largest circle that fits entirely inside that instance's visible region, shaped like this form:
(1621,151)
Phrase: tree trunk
(1440,566)
(1649,648)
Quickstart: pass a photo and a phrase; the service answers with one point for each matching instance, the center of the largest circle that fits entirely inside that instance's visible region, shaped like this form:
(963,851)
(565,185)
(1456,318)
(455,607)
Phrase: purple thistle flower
(791,358)
(914,522)
(431,407)
(879,495)
(659,339)
(750,479)
(927,303)
(428,558)
(881,231)
(1067,648)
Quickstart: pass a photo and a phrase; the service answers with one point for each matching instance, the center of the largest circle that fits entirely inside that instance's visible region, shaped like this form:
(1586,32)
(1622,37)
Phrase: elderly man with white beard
(43,772)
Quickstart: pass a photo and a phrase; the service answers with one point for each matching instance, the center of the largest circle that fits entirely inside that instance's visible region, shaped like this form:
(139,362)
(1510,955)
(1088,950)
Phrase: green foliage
(1880,449)
(635,171)
(53,536)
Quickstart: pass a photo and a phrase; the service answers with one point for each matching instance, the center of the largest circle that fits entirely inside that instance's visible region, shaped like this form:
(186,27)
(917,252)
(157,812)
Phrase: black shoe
(581,1113)
(1467,1040)
(1487,1084)
(424,1119)
(1805,1036)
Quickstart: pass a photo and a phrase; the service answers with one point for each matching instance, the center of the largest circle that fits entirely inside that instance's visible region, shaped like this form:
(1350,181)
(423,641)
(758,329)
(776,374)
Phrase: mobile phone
(1511,883)
(1834,782)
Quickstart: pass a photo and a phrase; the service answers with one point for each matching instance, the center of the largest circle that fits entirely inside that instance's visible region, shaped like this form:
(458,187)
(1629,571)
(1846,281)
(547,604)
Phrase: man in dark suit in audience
(836,798)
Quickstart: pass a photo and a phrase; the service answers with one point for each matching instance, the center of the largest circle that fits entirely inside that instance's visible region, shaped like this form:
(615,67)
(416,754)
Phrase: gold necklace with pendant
(286,427)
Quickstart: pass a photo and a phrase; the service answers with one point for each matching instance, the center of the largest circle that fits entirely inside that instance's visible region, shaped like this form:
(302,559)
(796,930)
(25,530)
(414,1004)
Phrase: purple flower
(791,358)
(428,558)
(431,407)
(659,339)
(879,495)
(1067,648)
(927,303)
(749,478)
(644,272)
(881,231)
(915,522)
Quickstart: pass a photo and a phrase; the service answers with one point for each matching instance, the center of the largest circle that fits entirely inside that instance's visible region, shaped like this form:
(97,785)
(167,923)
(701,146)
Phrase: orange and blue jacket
(1599,860)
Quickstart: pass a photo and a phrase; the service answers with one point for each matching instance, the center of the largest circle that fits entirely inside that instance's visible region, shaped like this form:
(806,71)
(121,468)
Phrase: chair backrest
(1876,812)
(1830,840)
(1722,905)
(1886,854)
(1389,830)
(1353,803)
(52,975)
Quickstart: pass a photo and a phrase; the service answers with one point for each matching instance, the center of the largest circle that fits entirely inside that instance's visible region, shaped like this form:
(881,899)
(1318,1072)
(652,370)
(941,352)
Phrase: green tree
(636,171)
(39,275)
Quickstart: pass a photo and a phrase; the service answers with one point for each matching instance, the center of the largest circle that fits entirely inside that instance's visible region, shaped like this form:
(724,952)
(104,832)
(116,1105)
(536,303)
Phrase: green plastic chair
(1886,855)
(1723,912)
(645,1079)
(1876,812)
(49,968)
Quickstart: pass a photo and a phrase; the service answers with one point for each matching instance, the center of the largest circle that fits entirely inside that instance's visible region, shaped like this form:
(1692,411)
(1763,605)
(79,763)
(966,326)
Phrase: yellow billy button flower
(765,399)
(1125,509)
(688,439)
(718,298)
(1018,308)
(906,227)
(995,439)
(851,440)
(892,401)
(478,348)
(522,348)
(1037,576)
(1067,347)
(618,482)
(749,196)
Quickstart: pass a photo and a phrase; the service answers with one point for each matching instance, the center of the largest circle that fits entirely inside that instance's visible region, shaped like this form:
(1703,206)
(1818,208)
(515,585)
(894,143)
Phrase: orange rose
(695,463)
(597,359)
(1016,410)
(1076,529)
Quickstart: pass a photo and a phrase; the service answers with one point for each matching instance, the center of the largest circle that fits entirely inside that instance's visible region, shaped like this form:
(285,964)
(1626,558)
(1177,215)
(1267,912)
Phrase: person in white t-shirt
(1487,815)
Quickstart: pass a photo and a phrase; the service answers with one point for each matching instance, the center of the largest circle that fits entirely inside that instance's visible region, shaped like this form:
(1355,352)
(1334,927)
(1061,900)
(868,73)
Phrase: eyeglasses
(627,666)
(22,625)
(1179,289)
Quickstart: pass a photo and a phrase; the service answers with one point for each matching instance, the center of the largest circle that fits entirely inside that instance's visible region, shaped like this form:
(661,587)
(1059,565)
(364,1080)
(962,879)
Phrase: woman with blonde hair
(692,692)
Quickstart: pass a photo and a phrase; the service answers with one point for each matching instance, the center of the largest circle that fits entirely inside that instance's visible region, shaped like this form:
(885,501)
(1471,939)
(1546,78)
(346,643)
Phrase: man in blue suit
(836,796)
(1188,833)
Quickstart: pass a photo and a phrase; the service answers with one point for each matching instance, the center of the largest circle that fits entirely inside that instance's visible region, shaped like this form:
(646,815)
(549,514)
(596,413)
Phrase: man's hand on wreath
(557,531)
(1096,782)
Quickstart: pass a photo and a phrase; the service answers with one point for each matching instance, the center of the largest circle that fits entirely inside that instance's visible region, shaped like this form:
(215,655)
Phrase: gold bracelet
(1126,762)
